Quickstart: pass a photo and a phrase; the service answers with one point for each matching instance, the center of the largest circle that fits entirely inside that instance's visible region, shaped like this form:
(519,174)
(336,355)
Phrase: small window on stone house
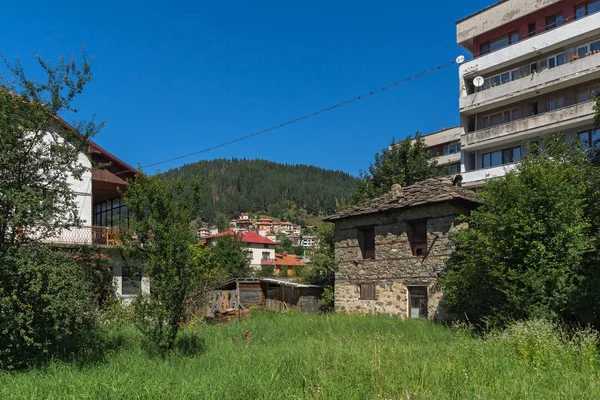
(417,301)
(418,237)
(367,291)
(366,241)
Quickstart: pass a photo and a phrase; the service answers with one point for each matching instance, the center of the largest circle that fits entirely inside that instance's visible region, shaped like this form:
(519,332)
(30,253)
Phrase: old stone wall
(394,267)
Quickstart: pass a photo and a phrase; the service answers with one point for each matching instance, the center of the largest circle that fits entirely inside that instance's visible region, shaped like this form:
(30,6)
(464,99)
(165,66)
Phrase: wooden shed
(238,293)
(282,294)
(269,293)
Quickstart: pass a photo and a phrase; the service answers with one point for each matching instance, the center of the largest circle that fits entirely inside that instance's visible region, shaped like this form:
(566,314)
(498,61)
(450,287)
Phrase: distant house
(259,247)
(265,226)
(309,241)
(201,233)
(391,250)
(287,262)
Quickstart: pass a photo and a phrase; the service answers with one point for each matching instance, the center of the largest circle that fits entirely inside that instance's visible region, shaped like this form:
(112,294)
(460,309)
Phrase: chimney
(396,191)
(457,180)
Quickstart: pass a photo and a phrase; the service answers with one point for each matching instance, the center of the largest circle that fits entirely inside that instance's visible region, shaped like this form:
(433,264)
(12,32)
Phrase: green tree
(401,163)
(230,255)
(522,256)
(46,310)
(323,266)
(160,239)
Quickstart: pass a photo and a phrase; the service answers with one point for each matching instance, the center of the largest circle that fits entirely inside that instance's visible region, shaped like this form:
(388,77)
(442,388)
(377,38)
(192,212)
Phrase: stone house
(391,250)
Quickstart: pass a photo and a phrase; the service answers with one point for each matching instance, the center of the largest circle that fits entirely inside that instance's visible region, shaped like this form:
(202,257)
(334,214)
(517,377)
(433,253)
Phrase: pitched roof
(248,237)
(434,190)
(285,260)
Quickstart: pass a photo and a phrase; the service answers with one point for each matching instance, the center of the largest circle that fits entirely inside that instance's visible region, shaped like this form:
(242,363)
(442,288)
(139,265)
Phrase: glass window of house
(417,301)
(496,119)
(595,46)
(531,29)
(582,96)
(418,237)
(593,6)
(516,154)
(553,21)
(496,158)
(366,241)
(487,160)
(499,43)
(516,114)
(582,51)
(484,48)
(595,137)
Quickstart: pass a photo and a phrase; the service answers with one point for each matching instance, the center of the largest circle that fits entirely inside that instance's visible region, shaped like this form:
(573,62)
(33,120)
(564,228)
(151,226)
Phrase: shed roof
(285,282)
(434,190)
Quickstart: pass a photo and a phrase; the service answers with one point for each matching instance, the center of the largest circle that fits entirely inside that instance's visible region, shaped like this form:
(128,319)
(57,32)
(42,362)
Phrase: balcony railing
(87,235)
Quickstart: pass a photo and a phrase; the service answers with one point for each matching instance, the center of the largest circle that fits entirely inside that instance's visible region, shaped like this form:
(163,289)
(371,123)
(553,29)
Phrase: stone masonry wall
(394,268)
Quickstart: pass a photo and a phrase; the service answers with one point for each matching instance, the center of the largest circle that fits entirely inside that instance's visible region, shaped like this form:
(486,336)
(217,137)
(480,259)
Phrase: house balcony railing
(529,127)
(88,235)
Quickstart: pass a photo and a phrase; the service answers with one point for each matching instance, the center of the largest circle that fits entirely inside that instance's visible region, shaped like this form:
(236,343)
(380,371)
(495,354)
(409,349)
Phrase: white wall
(257,249)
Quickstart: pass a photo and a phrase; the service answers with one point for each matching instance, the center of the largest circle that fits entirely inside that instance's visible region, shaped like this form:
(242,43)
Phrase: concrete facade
(538,82)
(443,145)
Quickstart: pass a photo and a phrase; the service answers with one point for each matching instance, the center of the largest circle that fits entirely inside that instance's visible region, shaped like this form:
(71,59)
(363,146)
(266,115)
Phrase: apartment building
(539,63)
(445,146)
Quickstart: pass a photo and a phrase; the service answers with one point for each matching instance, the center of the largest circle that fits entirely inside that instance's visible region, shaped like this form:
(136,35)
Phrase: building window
(452,148)
(110,213)
(501,157)
(366,241)
(132,280)
(556,60)
(531,29)
(417,301)
(501,117)
(453,168)
(554,21)
(555,103)
(418,237)
(587,8)
(266,255)
(368,291)
(533,108)
(499,43)
(266,246)
(590,138)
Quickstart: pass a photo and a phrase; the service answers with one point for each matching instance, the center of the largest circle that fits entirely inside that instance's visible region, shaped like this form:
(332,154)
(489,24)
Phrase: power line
(313,114)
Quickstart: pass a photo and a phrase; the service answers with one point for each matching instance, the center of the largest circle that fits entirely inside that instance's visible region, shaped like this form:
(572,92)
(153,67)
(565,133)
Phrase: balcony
(477,177)
(87,235)
(566,75)
(549,122)
(448,159)
(560,37)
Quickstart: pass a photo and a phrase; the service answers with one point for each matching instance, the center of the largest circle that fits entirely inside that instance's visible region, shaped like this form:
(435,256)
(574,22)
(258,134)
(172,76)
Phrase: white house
(259,248)
(101,210)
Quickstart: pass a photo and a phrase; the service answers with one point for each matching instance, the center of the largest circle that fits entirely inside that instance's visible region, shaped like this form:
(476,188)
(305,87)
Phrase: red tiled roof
(284,260)
(248,237)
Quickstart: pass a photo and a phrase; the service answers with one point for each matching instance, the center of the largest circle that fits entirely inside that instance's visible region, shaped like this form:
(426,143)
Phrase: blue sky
(175,77)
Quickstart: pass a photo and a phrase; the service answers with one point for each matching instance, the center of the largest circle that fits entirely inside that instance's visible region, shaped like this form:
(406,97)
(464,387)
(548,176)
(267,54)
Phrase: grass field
(329,357)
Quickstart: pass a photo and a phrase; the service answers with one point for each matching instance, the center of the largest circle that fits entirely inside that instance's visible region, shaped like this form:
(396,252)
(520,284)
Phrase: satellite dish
(478,81)
(460,59)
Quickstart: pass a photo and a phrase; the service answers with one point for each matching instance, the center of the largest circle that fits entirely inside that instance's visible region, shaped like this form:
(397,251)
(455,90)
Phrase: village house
(259,248)
(284,264)
(391,250)
(265,226)
(102,212)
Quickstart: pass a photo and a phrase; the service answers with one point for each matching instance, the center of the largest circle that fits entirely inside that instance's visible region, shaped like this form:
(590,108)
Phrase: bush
(45,309)
(540,343)
(283,272)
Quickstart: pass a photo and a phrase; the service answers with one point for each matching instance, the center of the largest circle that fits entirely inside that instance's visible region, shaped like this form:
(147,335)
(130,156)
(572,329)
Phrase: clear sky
(175,77)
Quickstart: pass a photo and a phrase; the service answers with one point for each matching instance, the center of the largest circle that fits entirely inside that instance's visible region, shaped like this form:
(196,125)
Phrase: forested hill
(259,186)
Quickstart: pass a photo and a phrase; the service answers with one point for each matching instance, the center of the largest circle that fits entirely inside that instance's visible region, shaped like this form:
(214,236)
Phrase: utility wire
(313,114)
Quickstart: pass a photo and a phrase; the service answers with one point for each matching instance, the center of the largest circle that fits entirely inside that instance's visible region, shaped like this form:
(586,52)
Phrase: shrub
(45,309)
(283,272)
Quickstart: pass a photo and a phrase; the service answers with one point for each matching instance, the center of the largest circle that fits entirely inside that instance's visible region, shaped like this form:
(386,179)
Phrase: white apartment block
(540,64)
(445,146)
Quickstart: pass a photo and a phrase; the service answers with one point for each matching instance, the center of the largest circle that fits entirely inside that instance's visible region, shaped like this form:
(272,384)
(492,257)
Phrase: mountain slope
(259,186)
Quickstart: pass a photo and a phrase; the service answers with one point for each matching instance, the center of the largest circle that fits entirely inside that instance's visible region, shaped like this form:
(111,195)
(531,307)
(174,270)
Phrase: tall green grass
(274,356)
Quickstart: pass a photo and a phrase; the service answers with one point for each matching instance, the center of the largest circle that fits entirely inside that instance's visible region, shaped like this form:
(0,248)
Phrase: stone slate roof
(434,190)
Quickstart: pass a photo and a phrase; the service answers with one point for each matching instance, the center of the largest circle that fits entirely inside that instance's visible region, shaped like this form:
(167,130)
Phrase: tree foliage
(230,256)
(46,309)
(290,192)
(402,163)
(323,265)
(522,256)
(160,240)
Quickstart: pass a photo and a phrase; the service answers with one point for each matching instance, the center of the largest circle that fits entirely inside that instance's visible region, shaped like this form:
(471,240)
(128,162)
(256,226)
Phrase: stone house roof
(434,190)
